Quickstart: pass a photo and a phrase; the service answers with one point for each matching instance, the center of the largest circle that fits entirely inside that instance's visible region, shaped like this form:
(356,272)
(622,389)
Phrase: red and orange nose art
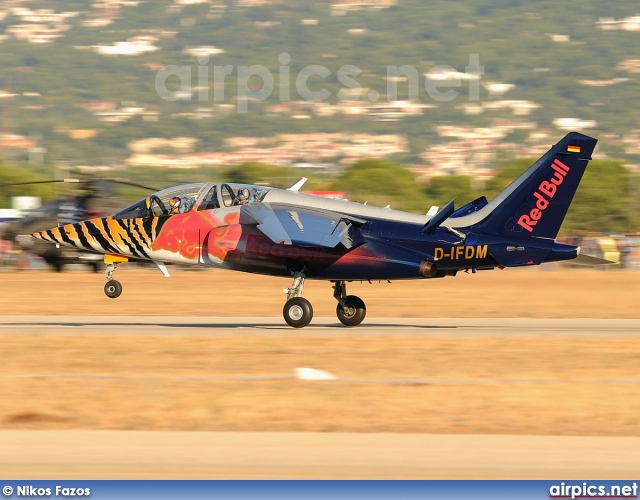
(182,236)
(187,234)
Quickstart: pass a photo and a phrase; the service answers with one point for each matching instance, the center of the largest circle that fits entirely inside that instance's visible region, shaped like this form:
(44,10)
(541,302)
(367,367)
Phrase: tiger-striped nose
(53,235)
(64,235)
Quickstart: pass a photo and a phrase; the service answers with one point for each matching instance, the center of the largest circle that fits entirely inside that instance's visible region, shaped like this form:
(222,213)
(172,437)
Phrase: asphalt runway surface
(323,326)
(90,454)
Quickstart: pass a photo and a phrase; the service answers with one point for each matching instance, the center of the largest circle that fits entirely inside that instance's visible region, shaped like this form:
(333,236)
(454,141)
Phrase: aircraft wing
(307,227)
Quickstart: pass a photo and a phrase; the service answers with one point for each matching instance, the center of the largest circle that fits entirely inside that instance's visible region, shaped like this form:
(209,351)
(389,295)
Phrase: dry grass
(124,380)
(169,382)
(510,293)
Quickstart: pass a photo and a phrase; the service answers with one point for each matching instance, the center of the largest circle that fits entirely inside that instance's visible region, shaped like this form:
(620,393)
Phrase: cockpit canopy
(196,196)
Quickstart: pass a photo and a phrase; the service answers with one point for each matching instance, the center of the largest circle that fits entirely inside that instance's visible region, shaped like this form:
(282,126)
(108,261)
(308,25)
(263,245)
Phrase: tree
(260,173)
(17,175)
(442,190)
(382,182)
(602,202)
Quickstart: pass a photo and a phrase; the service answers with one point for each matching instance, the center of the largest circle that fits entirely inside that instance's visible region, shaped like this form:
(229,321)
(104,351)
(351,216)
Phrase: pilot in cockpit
(174,205)
(242,198)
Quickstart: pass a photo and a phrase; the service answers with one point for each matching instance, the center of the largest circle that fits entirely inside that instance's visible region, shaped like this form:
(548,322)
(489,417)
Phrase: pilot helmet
(175,202)
(243,194)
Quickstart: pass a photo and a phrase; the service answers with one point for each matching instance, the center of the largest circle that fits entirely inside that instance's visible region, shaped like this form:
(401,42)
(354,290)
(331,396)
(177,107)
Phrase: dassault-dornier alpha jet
(279,232)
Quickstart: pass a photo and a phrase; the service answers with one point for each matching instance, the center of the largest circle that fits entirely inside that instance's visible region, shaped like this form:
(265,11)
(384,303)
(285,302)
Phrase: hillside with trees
(79,87)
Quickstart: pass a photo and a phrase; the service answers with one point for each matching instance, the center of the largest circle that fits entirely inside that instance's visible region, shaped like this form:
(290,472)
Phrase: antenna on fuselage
(296,187)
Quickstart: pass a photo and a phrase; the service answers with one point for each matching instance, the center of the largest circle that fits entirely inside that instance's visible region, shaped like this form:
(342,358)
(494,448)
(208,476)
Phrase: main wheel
(353,313)
(297,312)
(113,289)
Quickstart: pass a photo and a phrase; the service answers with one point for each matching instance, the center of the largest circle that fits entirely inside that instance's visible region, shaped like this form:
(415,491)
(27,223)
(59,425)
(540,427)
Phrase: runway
(135,454)
(323,326)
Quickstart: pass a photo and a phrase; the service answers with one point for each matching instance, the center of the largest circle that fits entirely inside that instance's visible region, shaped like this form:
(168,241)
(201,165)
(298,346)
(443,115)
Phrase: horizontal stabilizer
(470,207)
(439,218)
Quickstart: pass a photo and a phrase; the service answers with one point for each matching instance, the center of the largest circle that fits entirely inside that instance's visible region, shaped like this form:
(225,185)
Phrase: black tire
(354,313)
(297,312)
(113,289)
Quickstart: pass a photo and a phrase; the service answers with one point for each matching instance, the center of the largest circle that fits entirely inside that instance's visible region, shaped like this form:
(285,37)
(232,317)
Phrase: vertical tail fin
(535,204)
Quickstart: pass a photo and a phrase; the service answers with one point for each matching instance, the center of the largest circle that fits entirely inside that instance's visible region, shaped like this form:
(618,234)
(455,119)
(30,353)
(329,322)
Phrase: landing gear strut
(112,288)
(297,310)
(350,309)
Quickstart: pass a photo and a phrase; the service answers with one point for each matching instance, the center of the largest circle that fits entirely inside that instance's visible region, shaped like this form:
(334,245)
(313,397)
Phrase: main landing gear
(112,288)
(350,309)
(298,312)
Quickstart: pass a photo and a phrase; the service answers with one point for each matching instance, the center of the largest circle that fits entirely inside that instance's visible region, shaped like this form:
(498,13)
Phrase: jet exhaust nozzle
(428,269)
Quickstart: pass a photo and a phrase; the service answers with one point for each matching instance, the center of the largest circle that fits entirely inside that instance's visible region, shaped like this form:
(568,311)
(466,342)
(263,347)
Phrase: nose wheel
(113,289)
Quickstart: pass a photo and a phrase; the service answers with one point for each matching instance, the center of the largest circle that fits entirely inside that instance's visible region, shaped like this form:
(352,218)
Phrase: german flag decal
(573,149)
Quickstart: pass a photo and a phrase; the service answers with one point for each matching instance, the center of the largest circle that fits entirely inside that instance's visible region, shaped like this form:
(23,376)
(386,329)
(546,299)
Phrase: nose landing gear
(112,288)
